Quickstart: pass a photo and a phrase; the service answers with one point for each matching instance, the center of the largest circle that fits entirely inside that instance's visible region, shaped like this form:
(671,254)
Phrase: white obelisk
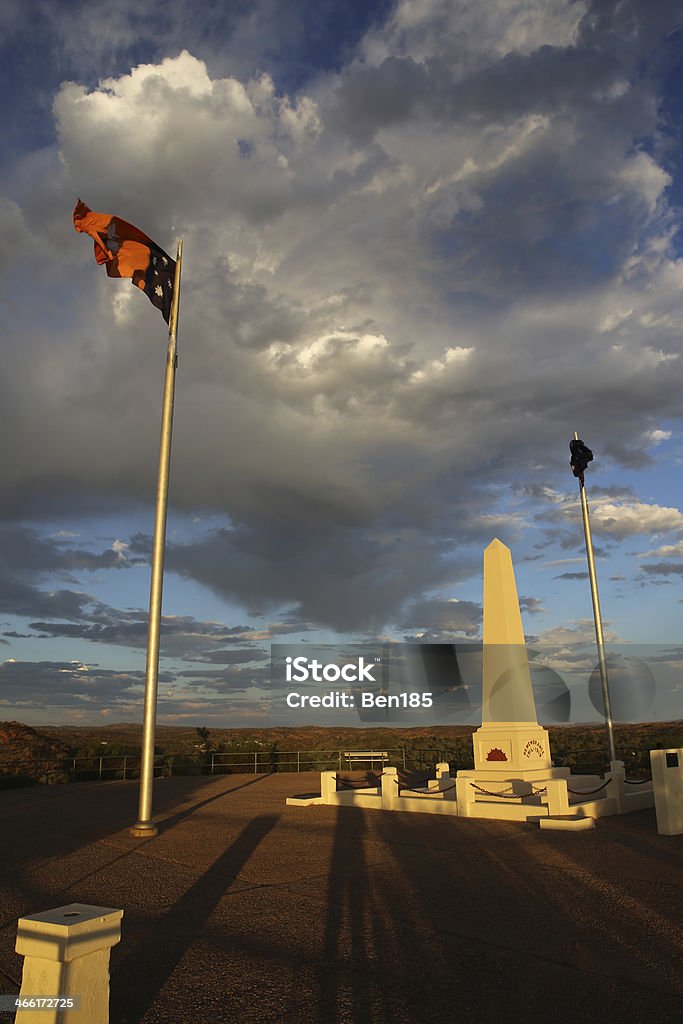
(510,743)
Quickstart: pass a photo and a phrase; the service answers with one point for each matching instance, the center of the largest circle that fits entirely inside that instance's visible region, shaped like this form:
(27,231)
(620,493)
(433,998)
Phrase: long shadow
(63,843)
(535,909)
(23,846)
(77,814)
(164,826)
(636,922)
(139,975)
(364,947)
(347,899)
(167,823)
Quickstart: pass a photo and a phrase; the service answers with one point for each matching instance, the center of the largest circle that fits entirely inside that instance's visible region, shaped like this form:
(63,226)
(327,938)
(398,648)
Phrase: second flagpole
(597,617)
(145,826)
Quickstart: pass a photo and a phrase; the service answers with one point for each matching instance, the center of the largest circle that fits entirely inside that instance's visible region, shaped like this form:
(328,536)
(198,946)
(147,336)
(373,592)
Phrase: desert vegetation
(60,754)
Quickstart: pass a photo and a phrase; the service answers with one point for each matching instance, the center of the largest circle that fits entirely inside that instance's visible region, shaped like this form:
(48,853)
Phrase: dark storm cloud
(68,685)
(27,551)
(347,578)
(371,98)
(380,337)
(81,690)
(548,78)
(629,456)
(62,613)
(182,637)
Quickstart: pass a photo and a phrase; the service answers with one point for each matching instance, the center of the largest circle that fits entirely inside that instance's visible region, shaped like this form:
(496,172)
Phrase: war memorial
(252,903)
(513,777)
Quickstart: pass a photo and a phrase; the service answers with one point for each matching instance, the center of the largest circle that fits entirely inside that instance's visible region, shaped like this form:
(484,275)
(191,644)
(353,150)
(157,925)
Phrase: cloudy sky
(424,242)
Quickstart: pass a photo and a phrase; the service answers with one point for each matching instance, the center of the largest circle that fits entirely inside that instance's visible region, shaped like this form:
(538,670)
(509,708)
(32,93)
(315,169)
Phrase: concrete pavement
(243,910)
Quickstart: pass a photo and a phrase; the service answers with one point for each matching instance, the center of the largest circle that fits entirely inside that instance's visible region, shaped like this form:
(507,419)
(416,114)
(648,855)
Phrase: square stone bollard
(390,796)
(328,787)
(667,782)
(66,959)
(465,795)
(443,776)
(558,796)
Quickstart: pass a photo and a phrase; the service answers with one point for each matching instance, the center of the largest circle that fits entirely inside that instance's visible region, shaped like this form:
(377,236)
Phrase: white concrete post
(667,783)
(465,796)
(389,789)
(328,787)
(66,957)
(558,797)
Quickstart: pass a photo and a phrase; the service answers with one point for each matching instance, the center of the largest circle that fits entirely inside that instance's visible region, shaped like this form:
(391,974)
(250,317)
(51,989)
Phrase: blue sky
(425,241)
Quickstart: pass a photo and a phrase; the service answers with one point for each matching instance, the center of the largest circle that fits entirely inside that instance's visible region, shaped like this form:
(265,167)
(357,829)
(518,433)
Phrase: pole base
(143,829)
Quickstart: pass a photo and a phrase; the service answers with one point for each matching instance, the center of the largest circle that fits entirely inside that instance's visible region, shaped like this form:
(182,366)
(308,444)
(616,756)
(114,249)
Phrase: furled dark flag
(128,252)
(581,455)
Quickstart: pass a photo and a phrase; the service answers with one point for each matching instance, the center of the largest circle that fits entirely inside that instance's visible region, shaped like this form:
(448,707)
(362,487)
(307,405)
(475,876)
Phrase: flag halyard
(126,251)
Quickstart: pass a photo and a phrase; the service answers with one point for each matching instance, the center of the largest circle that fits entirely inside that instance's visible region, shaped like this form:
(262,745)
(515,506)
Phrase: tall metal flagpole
(144,826)
(597,617)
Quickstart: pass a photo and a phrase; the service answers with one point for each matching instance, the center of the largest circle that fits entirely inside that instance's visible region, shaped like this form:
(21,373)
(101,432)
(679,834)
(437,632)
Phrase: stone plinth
(66,953)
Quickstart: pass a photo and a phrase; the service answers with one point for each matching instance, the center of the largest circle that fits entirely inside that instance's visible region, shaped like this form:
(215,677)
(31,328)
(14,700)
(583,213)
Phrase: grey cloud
(234,678)
(370,98)
(372,574)
(25,550)
(350,470)
(613,491)
(76,615)
(181,636)
(231,657)
(531,605)
(662,568)
(444,617)
(629,456)
(572,576)
(71,689)
(69,685)
(23,599)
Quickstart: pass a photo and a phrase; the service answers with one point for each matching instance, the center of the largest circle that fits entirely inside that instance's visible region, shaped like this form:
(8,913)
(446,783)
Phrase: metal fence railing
(110,767)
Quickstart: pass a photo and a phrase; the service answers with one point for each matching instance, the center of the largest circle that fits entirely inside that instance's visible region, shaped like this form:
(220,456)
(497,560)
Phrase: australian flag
(128,252)
(159,278)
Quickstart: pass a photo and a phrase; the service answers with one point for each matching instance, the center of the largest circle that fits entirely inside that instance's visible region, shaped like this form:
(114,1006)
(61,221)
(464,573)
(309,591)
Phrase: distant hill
(180,739)
(40,752)
(25,751)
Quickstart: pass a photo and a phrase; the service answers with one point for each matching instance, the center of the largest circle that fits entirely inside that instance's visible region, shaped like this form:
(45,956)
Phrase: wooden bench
(366,757)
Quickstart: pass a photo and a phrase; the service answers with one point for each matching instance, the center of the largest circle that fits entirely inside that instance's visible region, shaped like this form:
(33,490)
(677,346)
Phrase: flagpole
(598,618)
(144,826)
